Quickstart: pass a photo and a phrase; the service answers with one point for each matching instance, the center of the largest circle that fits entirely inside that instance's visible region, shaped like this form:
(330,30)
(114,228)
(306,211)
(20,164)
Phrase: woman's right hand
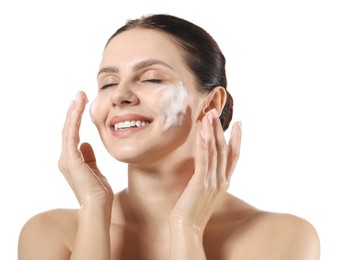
(78,164)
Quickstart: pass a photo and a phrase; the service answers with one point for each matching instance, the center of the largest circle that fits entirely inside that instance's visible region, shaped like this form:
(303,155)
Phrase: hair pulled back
(201,53)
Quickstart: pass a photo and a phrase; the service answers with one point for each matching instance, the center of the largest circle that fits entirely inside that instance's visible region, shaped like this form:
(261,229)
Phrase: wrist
(95,211)
(186,242)
(186,230)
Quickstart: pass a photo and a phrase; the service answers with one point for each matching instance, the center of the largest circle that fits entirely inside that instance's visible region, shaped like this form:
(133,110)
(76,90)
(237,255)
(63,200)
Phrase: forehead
(142,44)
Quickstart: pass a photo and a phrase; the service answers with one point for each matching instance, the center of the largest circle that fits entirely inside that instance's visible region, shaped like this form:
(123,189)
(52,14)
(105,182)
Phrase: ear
(215,99)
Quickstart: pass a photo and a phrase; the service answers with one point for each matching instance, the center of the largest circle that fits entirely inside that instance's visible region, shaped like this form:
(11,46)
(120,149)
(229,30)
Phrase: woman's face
(147,103)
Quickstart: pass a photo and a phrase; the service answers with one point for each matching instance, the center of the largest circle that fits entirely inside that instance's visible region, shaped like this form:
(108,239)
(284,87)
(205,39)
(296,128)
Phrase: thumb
(88,155)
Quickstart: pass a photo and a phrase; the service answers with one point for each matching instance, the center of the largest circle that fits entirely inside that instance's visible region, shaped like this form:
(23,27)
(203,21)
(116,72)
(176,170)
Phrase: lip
(129,131)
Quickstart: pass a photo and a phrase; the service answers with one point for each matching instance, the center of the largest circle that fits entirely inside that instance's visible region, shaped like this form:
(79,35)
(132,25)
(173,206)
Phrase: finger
(90,160)
(201,162)
(221,150)
(234,149)
(208,124)
(72,124)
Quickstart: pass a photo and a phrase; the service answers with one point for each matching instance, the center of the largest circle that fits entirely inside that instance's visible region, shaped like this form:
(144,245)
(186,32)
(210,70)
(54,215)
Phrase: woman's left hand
(215,162)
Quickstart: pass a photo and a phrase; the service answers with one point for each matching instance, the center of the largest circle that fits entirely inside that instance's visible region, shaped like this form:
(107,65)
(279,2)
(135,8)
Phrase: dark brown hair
(202,54)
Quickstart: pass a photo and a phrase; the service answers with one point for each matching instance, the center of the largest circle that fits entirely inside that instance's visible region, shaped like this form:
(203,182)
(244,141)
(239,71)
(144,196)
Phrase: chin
(142,154)
(124,155)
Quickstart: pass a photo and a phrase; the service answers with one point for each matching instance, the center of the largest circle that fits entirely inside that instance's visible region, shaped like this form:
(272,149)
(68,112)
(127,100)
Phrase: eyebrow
(138,66)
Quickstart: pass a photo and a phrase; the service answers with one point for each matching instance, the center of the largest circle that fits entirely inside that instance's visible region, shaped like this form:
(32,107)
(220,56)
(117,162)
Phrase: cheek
(97,110)
(171,107)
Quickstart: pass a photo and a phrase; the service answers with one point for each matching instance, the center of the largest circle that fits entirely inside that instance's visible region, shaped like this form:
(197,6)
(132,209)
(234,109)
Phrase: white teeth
(128,124)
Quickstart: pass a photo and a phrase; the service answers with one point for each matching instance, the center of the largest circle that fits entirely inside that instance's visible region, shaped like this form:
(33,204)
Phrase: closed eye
(153,81)
(107,86)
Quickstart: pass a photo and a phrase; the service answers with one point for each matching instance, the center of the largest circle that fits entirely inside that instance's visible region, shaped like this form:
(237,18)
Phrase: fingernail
(214,111)
(86,98)
(78,96)
(239,124)
(209,116)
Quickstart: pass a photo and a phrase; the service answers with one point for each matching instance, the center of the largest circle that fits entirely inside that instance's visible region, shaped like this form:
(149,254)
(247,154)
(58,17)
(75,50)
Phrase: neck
(153,192)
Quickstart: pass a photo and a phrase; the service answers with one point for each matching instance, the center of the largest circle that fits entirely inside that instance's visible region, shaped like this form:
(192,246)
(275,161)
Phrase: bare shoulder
(279,236)
(48,235)
(256,234)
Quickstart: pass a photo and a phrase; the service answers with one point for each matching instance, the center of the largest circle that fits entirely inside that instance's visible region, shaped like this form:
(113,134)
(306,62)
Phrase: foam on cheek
(171,101)
(92,109)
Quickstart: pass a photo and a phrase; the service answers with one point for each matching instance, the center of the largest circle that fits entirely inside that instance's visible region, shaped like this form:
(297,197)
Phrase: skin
(176,205)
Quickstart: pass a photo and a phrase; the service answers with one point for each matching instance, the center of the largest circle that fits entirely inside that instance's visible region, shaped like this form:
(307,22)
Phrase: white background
(282,64)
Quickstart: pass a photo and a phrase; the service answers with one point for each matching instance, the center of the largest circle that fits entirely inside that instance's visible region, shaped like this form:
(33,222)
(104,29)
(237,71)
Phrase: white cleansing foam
(171,102)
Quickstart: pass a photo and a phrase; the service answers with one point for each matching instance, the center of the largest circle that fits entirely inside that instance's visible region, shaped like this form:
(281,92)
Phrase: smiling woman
(162,107)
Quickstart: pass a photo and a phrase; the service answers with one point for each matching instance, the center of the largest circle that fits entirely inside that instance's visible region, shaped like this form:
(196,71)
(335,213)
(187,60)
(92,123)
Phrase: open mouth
(129,124)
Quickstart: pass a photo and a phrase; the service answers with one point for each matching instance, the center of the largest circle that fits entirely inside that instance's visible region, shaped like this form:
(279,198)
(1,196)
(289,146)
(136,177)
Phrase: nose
(123,96)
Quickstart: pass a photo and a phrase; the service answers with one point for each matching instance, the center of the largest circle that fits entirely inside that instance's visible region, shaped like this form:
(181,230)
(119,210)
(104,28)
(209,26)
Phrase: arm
(214,163)
(92,239)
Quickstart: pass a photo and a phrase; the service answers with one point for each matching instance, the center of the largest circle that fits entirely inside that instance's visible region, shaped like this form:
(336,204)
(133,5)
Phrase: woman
(162,107)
